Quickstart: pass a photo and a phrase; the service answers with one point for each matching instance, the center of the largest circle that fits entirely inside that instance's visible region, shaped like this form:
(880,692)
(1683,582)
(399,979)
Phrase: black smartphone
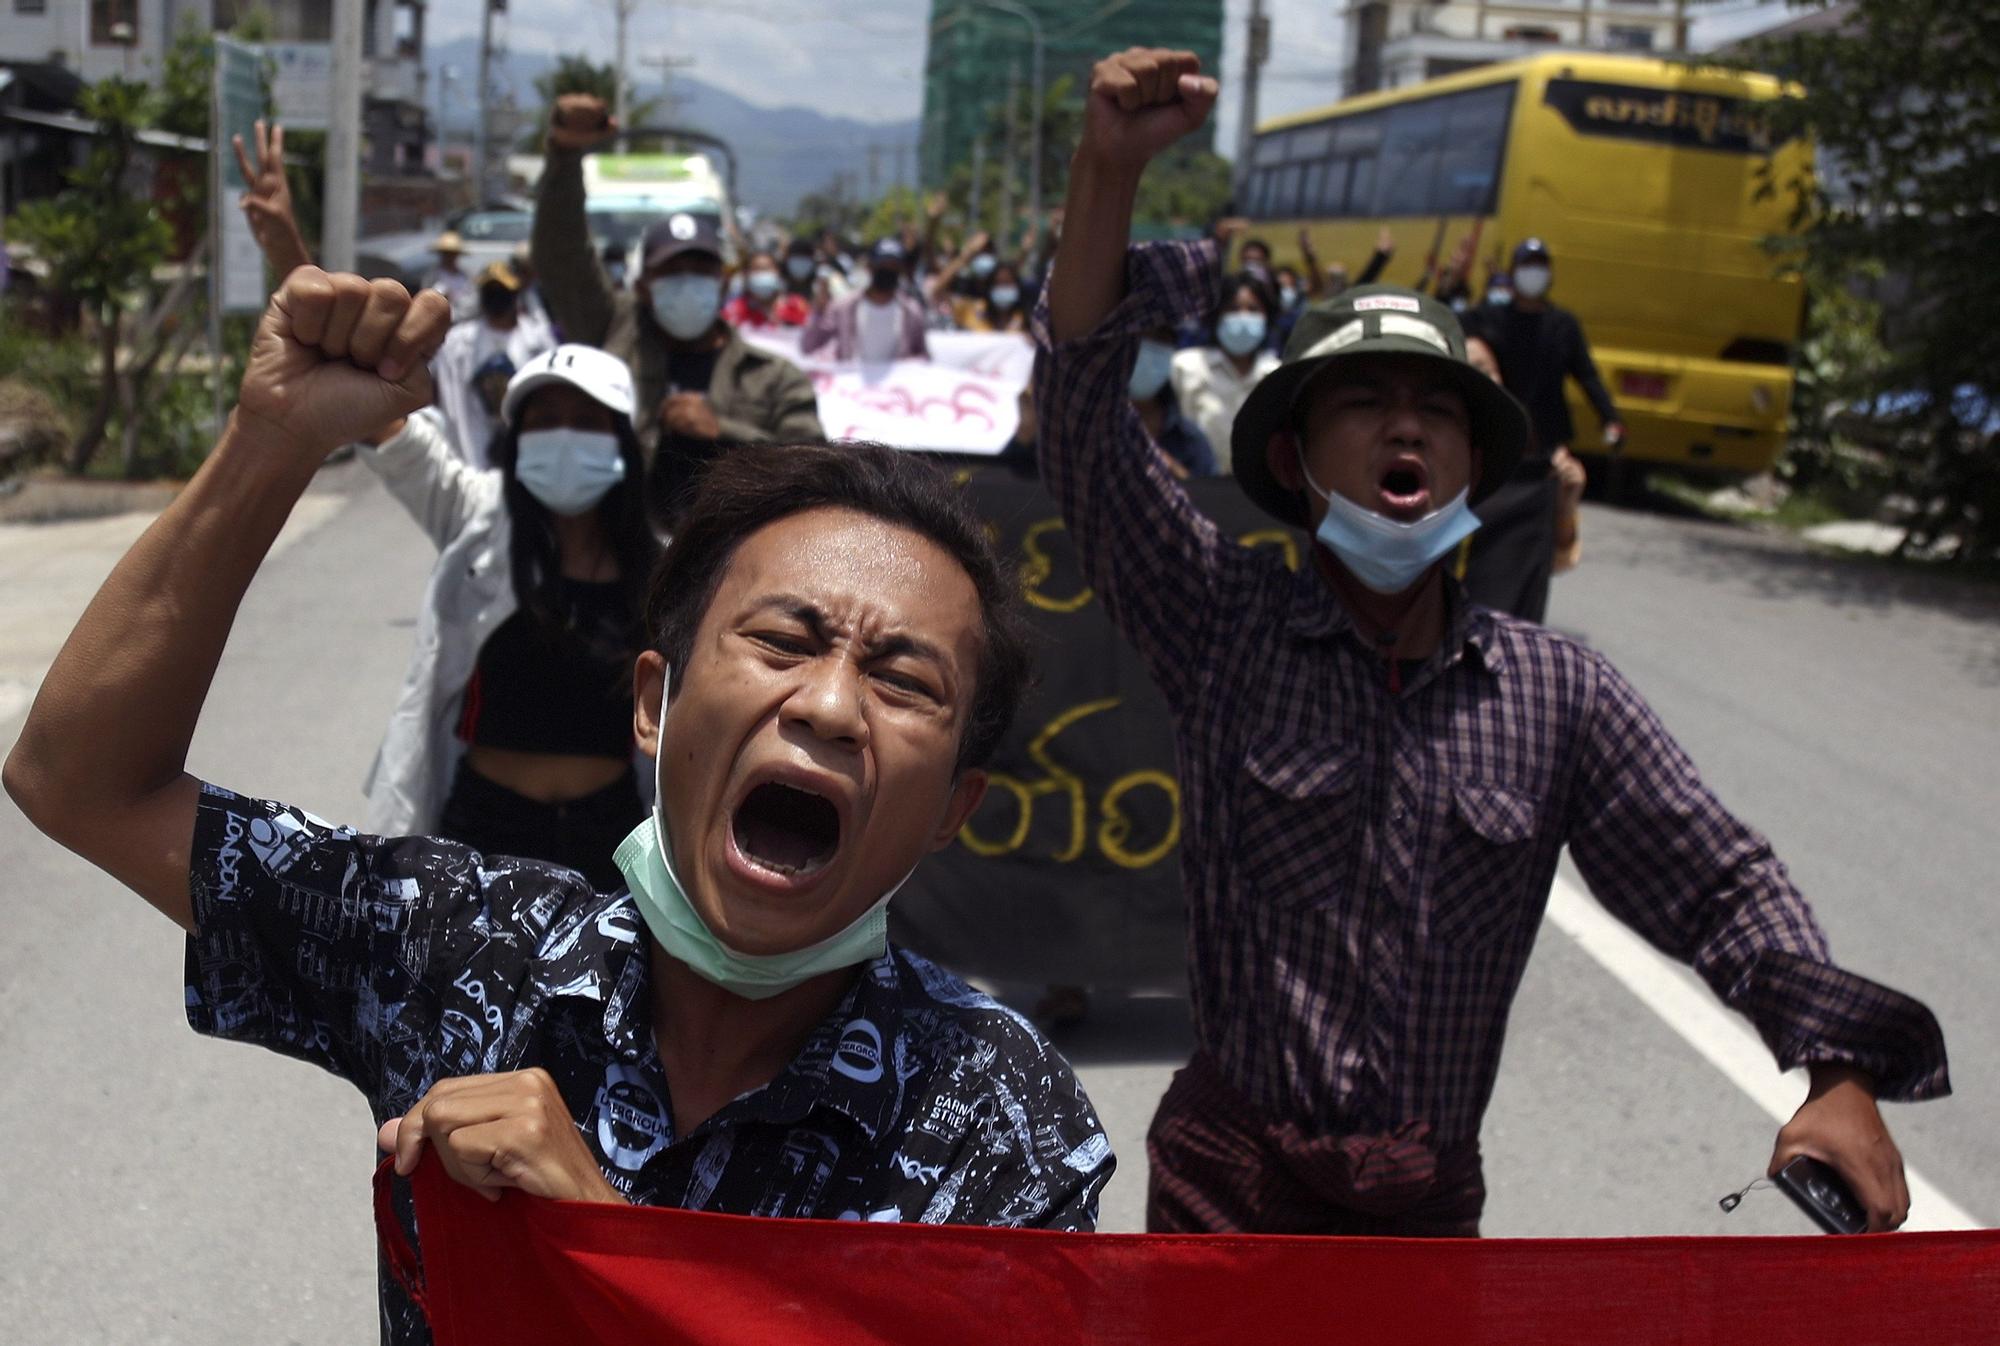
(1823,1194)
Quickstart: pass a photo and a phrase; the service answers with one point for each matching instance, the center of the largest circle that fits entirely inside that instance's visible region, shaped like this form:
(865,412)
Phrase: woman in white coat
(513,731)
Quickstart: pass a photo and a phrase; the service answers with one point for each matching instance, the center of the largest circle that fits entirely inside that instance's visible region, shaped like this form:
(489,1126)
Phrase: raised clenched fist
(1141,101)
(581,122)
(336,356)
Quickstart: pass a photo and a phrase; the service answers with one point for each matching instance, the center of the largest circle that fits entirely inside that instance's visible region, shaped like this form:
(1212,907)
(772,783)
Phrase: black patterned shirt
(397,962)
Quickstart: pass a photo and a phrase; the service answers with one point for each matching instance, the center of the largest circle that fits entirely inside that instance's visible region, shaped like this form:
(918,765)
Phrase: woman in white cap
(513,732)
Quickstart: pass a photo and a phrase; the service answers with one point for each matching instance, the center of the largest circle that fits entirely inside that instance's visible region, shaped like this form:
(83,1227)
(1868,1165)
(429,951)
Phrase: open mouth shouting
(783,834)
(1405,487)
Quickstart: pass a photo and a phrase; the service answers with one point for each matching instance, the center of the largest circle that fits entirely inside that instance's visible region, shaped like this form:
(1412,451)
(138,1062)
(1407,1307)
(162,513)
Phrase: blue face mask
(568,470)
(762,284)
(1240,333)
(1385,555)
(983,265)
(686,305)
(645,858)
(1005,296)
(1150,370)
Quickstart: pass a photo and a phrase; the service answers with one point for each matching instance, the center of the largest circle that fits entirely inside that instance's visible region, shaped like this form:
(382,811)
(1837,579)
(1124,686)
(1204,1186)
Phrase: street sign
(239,101)
(301,83)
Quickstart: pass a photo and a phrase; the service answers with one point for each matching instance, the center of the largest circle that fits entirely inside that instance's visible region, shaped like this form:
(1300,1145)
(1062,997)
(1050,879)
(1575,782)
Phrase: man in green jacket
(701,387)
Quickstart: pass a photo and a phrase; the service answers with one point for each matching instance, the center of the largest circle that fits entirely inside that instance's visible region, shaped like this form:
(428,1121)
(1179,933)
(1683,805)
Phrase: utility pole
(622,11)
(874,168)
(341,187)
(1256,52)
(483,102)
(1013,152)
(670,102)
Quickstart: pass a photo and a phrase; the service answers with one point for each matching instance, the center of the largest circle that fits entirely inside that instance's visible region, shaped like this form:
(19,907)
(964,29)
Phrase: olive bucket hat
(1372,320)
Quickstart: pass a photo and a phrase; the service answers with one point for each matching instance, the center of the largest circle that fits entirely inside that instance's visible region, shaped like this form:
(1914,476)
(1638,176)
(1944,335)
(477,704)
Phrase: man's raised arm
(101,762)
(573,282)
(1150,555)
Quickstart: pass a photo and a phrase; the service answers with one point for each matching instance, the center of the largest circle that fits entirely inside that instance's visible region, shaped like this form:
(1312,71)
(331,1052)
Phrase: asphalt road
(164,1188)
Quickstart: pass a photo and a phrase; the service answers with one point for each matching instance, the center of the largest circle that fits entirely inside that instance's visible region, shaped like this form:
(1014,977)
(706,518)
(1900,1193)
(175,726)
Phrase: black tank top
(540,689)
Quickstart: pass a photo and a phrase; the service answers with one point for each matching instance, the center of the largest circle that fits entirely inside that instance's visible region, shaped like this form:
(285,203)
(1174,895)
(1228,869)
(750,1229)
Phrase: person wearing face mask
(1211,382)
(1379,777)
(1539,346)
(514,729)
(765,302)
(499,340)
(999,308)
(1152,392)
(875,325)
(801,267)
(828,656)
(700,387)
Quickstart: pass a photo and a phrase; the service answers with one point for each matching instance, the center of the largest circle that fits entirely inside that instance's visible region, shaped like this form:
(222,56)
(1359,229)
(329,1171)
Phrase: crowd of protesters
(662,599)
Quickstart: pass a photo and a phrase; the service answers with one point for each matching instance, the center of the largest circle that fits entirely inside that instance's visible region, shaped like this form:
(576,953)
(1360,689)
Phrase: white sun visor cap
(601,376)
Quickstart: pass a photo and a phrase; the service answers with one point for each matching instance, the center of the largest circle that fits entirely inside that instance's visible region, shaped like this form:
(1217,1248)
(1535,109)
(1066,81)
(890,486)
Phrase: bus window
(1287,202)
(1411,146)
(1469,168)
(1270,149)
(1312,189)
(1361,187)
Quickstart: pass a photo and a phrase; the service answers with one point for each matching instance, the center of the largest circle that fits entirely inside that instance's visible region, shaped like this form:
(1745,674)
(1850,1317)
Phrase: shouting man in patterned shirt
(733,1032)
(1379,777)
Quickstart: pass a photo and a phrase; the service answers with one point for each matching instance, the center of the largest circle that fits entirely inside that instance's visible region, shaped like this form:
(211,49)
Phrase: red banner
(527,1271)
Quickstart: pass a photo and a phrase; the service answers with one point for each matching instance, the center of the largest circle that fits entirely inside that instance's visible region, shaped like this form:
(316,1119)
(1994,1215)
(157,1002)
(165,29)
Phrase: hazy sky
(863,58)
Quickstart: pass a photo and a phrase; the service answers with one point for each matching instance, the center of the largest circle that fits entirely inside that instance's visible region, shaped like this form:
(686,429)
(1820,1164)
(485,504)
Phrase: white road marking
(1717,1033)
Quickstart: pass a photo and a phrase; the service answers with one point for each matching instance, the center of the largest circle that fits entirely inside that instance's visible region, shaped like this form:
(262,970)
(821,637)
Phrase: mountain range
(782,153)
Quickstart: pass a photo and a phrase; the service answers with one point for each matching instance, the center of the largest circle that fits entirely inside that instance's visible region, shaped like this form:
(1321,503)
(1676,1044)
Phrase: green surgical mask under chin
(645,858)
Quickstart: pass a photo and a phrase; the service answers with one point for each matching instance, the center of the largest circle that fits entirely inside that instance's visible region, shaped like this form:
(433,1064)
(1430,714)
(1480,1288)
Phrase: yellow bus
(1641,176)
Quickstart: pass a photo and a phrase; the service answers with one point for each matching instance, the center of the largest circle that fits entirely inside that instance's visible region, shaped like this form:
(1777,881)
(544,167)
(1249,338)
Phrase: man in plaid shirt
(1379,777)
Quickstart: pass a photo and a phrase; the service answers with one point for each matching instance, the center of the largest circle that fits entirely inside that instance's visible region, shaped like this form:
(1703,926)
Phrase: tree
(1902,98)
(575,72)
(101,239)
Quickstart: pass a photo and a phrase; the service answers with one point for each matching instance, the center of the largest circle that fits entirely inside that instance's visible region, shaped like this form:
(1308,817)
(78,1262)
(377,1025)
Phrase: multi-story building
(974,47)
(1398,42)
(96,38)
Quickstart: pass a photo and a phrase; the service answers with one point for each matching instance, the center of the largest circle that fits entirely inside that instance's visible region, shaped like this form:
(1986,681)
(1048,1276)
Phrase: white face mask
(1385,554)
(686,305)
(568,470)
(1531,282)
(1150,370)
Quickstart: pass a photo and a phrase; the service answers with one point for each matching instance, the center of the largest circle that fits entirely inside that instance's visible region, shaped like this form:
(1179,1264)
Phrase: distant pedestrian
(1540,347)
(765,302)
(874,325)
(447,278)
(479,356)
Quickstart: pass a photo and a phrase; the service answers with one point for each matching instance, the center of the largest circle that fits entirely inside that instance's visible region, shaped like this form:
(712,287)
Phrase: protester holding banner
(833,651)
(701,388)
(873,325)
(1377,777)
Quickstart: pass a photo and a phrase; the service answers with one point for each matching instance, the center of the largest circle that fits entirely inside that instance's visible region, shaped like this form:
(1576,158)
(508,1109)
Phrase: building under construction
(978,49)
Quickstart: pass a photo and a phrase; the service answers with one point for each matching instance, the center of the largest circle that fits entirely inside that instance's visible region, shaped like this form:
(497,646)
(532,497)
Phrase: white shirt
(1211,392)
(878,329)
(457,287)
(467,346)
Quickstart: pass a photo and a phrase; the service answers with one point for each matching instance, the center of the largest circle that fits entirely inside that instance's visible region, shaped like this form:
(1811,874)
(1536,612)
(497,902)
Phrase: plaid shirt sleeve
(1153,558)
(1664,856)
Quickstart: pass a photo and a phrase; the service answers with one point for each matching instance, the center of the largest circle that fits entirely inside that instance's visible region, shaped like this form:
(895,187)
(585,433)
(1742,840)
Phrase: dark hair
(1258,244)
(1267,297)
(994,315)
(533,556)
(758,484)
